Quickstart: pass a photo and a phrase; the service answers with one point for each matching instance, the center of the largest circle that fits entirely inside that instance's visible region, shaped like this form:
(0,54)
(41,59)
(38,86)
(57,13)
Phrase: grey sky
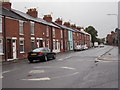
(79,13)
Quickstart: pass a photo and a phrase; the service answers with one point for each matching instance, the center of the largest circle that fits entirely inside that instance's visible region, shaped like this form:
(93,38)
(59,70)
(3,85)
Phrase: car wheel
(31,61)
(45,58)
(54,56)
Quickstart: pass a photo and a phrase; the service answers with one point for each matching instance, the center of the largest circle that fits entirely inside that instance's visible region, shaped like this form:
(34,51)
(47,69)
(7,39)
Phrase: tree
(100,40)
(93,32)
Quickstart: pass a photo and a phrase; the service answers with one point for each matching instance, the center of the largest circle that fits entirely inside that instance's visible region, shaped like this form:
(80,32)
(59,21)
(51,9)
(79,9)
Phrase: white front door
(58,46)
(38,44)
(14,49)
(43,43)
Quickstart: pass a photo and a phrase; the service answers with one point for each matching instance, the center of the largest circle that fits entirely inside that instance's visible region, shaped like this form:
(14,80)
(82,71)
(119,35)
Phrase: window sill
(1,53)
(21,34)
(32,34)
(22,52)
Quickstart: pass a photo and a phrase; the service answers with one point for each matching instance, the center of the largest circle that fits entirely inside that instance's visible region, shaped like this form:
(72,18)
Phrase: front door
(9,49)
(14,49)
(38,45)
(58,46)
(41,43)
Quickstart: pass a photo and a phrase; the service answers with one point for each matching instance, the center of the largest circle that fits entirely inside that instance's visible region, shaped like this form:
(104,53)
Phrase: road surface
(69,70)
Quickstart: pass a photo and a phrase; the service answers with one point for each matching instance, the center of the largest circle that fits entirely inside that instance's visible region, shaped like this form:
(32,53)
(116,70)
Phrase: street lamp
(117,18)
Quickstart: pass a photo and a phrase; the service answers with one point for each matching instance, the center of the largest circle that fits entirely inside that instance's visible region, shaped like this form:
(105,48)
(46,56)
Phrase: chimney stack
(78,28)
(48,18)
(59,21)
(73,26)
(6,4)
(67,24)
(33,12)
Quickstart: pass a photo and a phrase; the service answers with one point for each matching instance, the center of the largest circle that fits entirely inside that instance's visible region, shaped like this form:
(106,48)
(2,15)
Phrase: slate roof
(23,16)
(8,13)
(64,27)
(85,33)
(39,20)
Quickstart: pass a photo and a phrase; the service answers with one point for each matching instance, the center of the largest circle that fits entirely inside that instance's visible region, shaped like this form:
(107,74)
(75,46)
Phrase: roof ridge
(39,20)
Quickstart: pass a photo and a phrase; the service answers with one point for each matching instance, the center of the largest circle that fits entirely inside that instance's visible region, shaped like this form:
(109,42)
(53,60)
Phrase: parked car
(78,48)
(95,44)
(101,45)
(85,47)
(82,47)
(42,54)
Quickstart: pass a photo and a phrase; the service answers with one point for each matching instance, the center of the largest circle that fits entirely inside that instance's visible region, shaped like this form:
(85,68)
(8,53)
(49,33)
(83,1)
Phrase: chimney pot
(6,4)
(73,26)
(79,28)
(59,21)
(33,12)
(48,18)
(67,24)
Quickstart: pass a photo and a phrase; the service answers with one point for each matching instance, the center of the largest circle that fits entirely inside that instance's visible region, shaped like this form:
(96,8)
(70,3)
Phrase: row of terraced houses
(21,32)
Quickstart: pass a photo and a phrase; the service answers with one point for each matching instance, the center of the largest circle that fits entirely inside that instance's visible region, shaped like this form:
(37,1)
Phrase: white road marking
(67,57)
(66,75)
(38,79)
(43,67)
(61,59)
(68,68)
(7,71)
(104,60)
(1,77)
(36,71)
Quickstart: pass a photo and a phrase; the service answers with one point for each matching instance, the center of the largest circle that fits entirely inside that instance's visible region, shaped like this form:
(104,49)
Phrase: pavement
(110,55)
(25,59)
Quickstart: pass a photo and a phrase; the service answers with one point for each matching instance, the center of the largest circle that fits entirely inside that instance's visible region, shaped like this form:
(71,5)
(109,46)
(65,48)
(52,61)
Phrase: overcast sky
(80,12)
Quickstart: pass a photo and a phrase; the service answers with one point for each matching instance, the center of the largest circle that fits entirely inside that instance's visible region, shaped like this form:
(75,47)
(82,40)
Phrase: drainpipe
(51,40)
(4,38)
(64,40)
(73,40)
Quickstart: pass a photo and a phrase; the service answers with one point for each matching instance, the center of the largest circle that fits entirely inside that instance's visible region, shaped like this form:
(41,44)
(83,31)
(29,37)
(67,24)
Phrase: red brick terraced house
(10,32)
(64,42)
(76,37)
(41,30)
(87,39)
(111,39)
(26,32)
(79,37)
(22,32)
(69,45)
(57,35)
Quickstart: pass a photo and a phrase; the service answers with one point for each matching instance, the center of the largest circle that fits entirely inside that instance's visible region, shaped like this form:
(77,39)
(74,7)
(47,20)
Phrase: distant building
(112,39)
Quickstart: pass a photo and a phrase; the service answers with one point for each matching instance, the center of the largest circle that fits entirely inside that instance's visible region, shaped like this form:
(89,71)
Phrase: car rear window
(39,50)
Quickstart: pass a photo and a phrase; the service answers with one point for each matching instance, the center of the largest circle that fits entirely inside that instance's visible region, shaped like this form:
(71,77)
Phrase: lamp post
(117,18)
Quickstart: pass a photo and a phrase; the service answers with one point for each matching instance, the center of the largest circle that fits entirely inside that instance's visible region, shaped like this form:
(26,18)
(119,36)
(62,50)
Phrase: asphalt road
(68,70)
